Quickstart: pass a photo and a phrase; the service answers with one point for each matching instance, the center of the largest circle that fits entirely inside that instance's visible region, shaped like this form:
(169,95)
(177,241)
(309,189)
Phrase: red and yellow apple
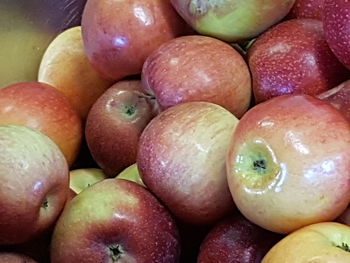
(79,179)
(288,163)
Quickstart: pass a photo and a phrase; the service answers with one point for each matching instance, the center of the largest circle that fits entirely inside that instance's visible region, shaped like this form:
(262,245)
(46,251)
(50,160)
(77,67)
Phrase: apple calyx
(116,251)
(129,110)
(45,203)
(344,246)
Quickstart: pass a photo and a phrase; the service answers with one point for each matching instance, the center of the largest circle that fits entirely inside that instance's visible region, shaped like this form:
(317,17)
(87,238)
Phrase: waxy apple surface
(288,164)
(119,35)
(115,221)
(307,9)
(131,173)
(10,257)
(33,183)
(198,68)
(294,58)
(323,242)
(232,20)
(181,159)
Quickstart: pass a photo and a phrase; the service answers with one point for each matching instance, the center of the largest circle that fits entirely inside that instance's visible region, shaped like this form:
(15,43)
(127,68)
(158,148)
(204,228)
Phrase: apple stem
(115,252)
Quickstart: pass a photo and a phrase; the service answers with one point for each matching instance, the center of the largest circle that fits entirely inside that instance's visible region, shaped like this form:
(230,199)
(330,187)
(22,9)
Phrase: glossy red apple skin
(12,257)
(293,58)
(33,172)
(236,240)
(305,145)
(119,35)
(130,216)
(111,133)
(181,159)
(307,9)
(336,23)
(339,97)
(198,68)
(41,107)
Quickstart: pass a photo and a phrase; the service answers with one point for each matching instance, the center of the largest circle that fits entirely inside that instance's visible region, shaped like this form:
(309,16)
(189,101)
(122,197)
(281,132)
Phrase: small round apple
(323,242)
(181,159)
(33,183)
(198,68)
(115,221)
(288,163)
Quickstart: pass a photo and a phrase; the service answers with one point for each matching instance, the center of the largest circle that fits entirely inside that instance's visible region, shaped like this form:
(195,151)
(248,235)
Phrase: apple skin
(119,35)
(65,66)
(307,9)
(130,217)
(232,20)
(181,159)
(344,218)
(34,183)
(336,23)
(198,68)
(293,58)
(313,243)
(115,123)
(236,240)
(11,257)
(339,97)
(80,179)
(41,107)
(131,173)
(288,163)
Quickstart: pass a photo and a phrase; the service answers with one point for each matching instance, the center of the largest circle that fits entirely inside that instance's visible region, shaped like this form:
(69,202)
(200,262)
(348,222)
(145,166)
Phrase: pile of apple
(165,131)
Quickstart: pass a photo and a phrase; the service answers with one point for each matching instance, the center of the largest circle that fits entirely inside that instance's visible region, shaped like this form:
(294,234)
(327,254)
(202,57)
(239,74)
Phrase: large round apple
(232,20)
(119,35)
(115,220)
(323,242)
(289,163)
(198,68)
(181,158)
(294,58)
(33,183)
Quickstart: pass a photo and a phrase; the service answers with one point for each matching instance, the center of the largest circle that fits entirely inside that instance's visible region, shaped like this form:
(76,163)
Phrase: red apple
(307,9)
(41,107)
(339,97)
(336,23)
(322,242)
(293,58)
(115,123)
(288,164)
(65,66)
(181,159)
(119,35)
(236,240)
(198,68)
(12,257)
(33,183)
(115,220)
(344,218)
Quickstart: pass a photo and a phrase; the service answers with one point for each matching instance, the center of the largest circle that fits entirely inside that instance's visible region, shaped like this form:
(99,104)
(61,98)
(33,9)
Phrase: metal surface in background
(26,29)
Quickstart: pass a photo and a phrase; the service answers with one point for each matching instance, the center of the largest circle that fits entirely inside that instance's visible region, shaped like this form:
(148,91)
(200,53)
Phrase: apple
(115,220)
(307,9)
(115,123)
(293,58)
(119,35)
(79,179)
(288,163)
(198,68)
(41,107)
(232,20)
(11,257)
(131,173)
(236,240)
(33,183)
(322,242)
(344,218)
(336,24)
(65,66)
(339,97)
(181,159)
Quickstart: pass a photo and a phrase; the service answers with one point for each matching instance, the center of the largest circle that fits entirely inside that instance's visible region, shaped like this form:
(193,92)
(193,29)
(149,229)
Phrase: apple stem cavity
(115,252)
(344,247)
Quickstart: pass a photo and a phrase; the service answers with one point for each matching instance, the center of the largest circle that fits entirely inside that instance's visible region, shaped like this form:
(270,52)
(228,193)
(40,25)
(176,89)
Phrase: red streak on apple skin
(294,58)
(145,229)
(198,68)
(307,9)
(336,23)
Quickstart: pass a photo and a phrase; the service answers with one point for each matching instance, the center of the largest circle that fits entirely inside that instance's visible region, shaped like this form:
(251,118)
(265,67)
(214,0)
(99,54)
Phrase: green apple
(132,174)
(83,178)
